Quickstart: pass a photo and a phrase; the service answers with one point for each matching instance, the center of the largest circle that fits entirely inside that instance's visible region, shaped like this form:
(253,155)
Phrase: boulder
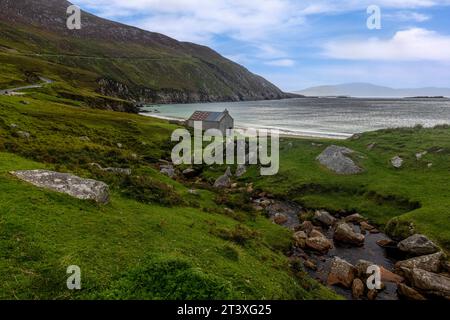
(409,293)
(318,242)
(228,172)
(85,189)
(431,263)
(418,245)
(300,238)
(430,283)
(354,218)
(397,162)
(357,289)
(388,276)
(336,159)
(366,227)
(280,218)
(344,233)
(240,171)
(324,218)
(168,170)
(341,273)
(385,243)
(306,226)
(361,268)
(222,182)
(189,173)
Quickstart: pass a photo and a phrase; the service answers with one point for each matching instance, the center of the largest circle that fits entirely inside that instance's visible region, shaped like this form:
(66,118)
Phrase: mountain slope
(370,90)
(124,61)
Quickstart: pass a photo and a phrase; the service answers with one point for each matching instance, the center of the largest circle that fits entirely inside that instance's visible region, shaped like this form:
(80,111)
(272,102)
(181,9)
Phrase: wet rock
(354,218)
(280,218)
(385,243)
(366,227)
(388,276)
(431,263)
(240,171)
(372,294)
(344,233)
(85,189)
(300,238)
(430,283)
(336,159)
(310,265)
(306,226)
(418,245)
(341,273)
(318,242)
(357,289)
(324,218)
(168,170)
(361,268)
(397,162)
(409,293)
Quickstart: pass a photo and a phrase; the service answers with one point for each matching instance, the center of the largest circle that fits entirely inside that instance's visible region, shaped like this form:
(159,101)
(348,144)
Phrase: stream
(371,251)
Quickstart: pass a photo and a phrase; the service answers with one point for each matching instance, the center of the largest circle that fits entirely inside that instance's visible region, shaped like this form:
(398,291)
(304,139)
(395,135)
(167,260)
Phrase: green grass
(414,193)
(134,247)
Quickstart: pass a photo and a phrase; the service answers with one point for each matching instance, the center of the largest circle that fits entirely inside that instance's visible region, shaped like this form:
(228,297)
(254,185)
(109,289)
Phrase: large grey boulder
(418,245)
(85,189)
(431,262)
(344,233)
(430,283)
(336,159)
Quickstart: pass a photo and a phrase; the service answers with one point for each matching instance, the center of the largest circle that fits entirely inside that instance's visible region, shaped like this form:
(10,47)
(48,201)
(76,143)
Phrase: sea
(337,118)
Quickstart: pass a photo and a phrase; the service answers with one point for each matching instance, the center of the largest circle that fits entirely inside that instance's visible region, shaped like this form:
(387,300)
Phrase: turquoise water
(325,117)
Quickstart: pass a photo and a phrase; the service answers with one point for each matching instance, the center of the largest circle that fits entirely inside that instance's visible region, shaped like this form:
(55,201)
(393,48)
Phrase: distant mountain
(122,61)
(370,90)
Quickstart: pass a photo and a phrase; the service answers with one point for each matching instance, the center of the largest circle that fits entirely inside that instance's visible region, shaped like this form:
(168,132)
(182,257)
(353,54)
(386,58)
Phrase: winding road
(33,86)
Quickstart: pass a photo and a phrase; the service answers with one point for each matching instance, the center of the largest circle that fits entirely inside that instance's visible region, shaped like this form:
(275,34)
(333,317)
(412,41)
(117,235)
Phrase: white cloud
(409,45)
(281,63)
(407,16)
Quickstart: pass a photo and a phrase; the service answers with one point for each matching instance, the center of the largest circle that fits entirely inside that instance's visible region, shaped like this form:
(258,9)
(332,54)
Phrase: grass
(415,194)
(136,247)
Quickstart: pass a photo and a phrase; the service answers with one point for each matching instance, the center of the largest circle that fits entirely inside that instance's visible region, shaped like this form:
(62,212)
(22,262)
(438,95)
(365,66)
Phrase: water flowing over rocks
(85,189)
(337,159)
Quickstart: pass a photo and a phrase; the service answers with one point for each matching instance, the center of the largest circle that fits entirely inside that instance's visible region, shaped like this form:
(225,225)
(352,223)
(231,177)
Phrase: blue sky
(302,43)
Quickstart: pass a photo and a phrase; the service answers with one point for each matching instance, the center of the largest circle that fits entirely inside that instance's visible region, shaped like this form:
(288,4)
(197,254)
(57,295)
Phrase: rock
(324,218)
(420,155)
(13,126)
(429,165)
(228,211)
(356,136)
(342,273)
(306,226)
(371,146)
(357,289)
(354,218)
(318,242)
(361,267)
(240,171)
(384,243)
(344,233)
(336,159)
(112,170)
(228,172)
(372,294)
(418,245)
(310,265)
(431,263)
(119,145)
(134,156)
(446,265)
(189,173)
(258,208)
(84,138)
(168,170)
(300,238)
(409,293)
(365,226)
(234,185)
(23,134)
(280,218)
(192,191)
(430,283)
(222,182)
(388,276)
(85,189)
(397,162)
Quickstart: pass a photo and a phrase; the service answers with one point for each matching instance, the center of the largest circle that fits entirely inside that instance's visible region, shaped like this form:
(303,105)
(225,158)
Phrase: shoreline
(284,133)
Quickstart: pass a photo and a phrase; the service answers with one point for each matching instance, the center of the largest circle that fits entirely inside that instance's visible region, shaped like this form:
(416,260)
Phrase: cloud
(409,45)
(407,16)
(281,63)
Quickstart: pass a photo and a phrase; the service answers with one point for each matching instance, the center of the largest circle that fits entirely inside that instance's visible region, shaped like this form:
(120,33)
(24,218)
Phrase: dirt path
(32,86)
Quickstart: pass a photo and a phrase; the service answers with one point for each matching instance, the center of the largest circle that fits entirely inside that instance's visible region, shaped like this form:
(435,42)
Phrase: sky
(302,43)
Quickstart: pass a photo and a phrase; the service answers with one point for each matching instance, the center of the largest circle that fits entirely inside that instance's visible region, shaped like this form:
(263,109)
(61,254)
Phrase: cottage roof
(207,116)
